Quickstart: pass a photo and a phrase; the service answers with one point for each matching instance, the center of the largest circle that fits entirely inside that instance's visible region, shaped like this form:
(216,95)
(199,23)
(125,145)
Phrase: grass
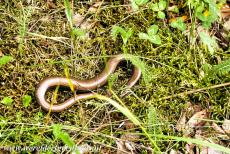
(46,48)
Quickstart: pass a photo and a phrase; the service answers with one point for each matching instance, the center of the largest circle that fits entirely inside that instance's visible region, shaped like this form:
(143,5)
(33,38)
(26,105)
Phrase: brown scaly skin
(82,85)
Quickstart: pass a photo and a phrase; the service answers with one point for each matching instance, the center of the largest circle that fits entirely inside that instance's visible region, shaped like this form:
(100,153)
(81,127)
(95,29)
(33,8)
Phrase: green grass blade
(68,12)
(196,141)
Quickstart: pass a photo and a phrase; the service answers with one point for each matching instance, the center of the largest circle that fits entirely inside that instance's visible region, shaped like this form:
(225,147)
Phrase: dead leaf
(208,150)
(195,122)
(226,25)
(200,134)
(180,126)
(94,8)
(51,4)
(130,136)
(189,110)
(78,19)
(84,148)
(226,126)
(130,146)
(188,107)
(88,24)
(121,148)
(126,143)
(225,11)
(217,128)
(128,3)
(1,54)
(172,8)
(189,148)
(197,119)
(129,125)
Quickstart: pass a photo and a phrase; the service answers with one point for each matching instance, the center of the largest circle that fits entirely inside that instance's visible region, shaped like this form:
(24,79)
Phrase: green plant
(179,24)
(26,99)
(59,134)
(136,3)
(112,79)
(221,69)
(151,35)
(159,7)
(68,12)
(209,42)
(146,74)
(125,34)
(209,15)
(205,10)
(78,33)
(7,101)
(153,122)
(75,32)
(4,60)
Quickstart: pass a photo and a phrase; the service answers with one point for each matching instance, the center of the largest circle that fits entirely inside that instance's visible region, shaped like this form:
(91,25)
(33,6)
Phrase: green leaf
(210,42)
(162,5)
(143,36)
(151,36)
(206,68)
(7,101)
(153,122)
(179,24)
(145,70)
(213,8)
(126,35)
(155,39)
(141,2)
(199,12)
(26,100)
(154,7)
(152,30)
(115,31)
(161,15)
(59,134)
(4,60)
(210,15)
(206,24)
(78,32)
(119,30)
(221,69)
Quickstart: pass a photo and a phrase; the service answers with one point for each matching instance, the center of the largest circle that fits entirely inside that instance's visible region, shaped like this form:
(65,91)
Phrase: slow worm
(81,85)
